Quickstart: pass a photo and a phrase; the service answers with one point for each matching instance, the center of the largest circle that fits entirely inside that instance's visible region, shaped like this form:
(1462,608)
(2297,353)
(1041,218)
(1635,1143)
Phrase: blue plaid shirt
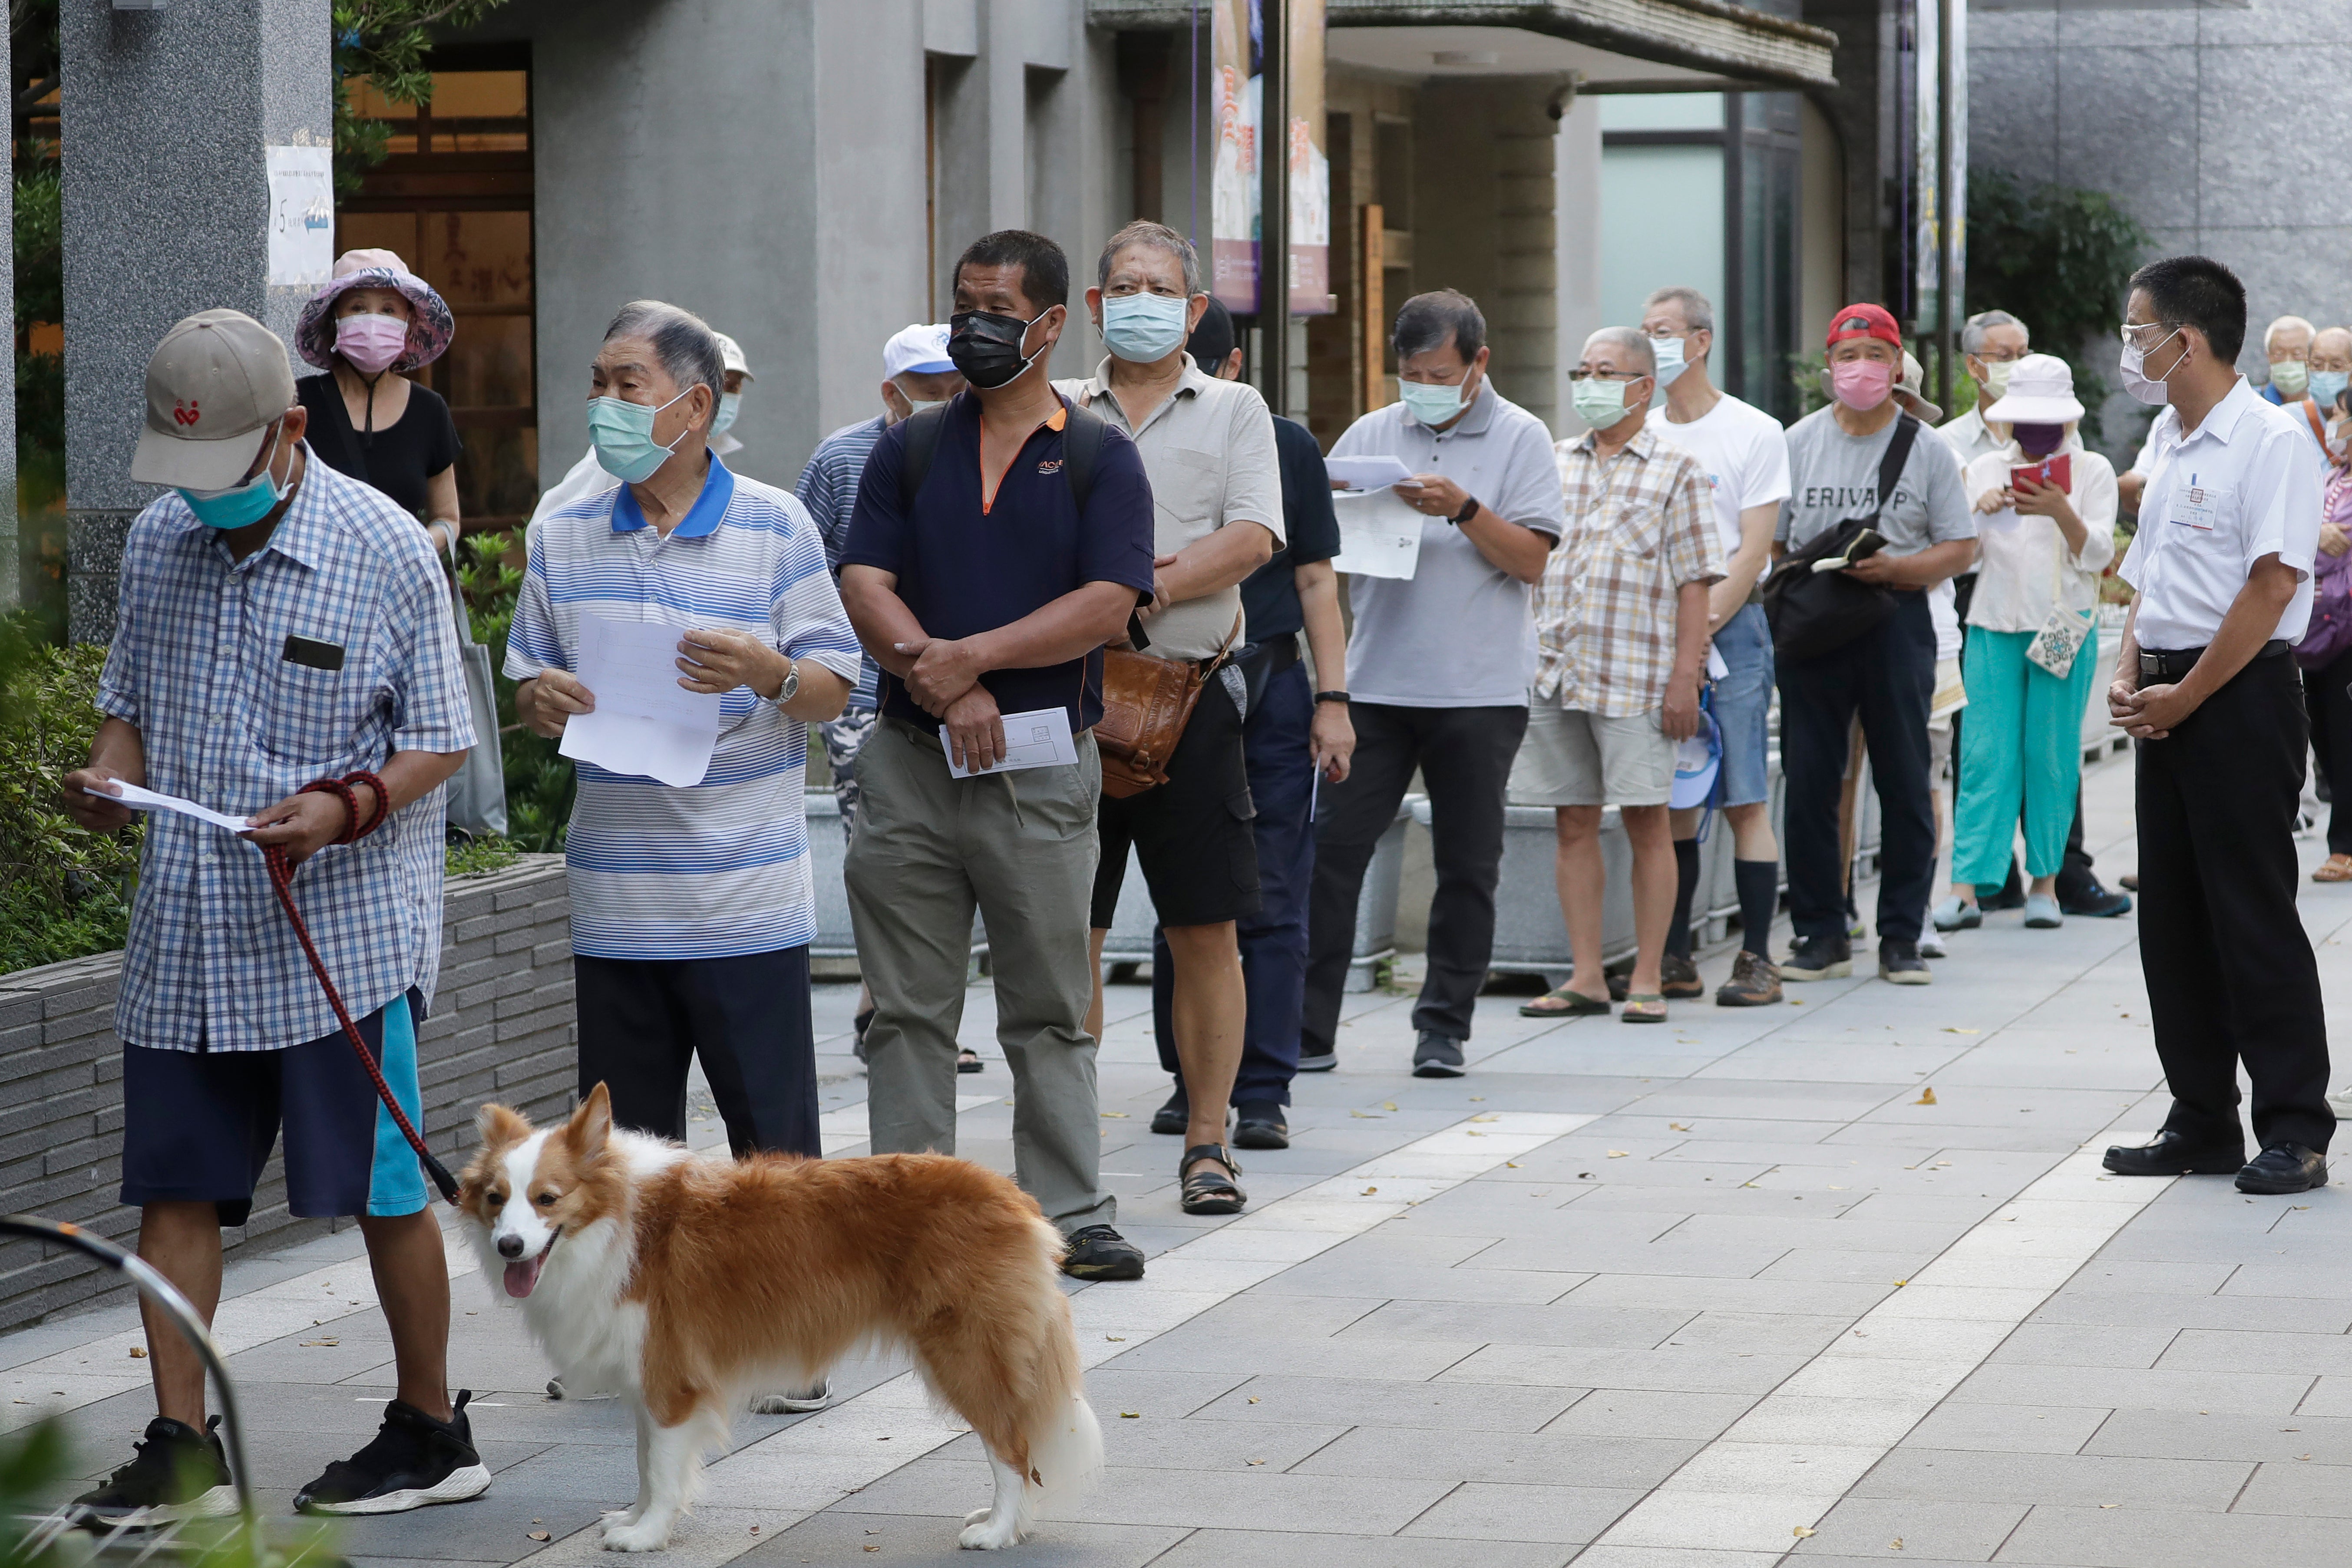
(828,488)
(198,665)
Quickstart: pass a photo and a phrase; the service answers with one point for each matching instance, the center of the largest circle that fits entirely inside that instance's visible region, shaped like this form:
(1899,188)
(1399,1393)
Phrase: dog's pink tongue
(522,1277)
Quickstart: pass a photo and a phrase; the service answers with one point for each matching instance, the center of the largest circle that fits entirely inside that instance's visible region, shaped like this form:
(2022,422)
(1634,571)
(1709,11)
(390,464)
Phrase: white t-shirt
(1744,451)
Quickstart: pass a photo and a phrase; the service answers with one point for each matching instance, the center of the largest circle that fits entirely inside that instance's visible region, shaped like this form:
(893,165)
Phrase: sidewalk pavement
(1715,1293)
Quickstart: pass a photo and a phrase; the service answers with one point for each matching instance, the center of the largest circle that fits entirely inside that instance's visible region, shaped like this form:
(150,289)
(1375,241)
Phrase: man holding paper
(679,632)
(985,584)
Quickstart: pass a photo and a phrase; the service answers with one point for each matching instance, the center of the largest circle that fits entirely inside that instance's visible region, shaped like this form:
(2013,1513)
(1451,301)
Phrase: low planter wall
(502,1028)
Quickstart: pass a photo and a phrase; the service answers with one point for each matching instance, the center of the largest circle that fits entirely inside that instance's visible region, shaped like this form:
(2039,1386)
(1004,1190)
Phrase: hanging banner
(1237,51)
(301,216)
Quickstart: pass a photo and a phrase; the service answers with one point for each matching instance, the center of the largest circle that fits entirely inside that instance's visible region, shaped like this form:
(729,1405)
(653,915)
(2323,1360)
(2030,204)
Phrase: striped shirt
(828,488)
(199,666)
(719,869)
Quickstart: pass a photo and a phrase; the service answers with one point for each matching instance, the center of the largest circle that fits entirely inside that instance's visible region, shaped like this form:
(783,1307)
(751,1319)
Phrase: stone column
(168,113)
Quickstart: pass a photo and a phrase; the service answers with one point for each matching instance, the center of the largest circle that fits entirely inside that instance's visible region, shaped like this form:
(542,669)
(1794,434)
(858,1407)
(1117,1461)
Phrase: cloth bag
(1817,613)
(2055,646)
(2330,632)
(476,798)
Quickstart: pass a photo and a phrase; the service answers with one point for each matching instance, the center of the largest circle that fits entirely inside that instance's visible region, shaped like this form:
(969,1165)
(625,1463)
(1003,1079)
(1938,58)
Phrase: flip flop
(2335,869)
(969,1061)
(1644,1008)
(1572,1004)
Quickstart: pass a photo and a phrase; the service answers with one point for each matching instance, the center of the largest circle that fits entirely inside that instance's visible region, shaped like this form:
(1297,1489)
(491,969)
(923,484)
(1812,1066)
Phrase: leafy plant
(480,856)
(64,892)
(539,780)
(2059,259)
(386,42)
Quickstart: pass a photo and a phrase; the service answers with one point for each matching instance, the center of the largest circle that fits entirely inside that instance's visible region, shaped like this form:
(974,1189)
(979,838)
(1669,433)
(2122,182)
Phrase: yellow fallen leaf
(1115,1339)
(1252,1399)
(1926,1097)
(1835,1188)
(1616,1153)
(537,1534)
(1895,1544)
(1485,1116)
(1388,1105)
(1368,1191)
(1130,1415)
(1901,1282)
(2111,1505)
(1801,1532)
(1679,1126)
(1255,1461)
(1473,1132)
(310,1342)
(1950,1030)
(138,1354)
(1116,1115)
(1510,1164)
(1363,1115)
(1796,1001)
(1475,1099)
(872,1549)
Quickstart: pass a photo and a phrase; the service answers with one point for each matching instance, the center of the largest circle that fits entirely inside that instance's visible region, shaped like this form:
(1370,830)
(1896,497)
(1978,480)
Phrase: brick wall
(502,1028)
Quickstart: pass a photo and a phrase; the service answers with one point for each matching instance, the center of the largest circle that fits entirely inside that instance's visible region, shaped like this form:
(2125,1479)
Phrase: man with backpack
(1867,646)
(997,544)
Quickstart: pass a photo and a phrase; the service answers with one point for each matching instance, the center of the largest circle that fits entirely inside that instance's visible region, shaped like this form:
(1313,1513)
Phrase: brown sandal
(1210,1191)
(1568,1005)
(2335,869)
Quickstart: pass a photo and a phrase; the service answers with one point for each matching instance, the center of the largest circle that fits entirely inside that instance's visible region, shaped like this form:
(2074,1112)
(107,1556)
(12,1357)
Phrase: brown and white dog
(685,1283)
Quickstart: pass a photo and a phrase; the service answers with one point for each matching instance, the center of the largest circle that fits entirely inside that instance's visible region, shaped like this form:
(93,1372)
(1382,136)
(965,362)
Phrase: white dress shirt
(2017,553)
(1969,436)
(2239,487)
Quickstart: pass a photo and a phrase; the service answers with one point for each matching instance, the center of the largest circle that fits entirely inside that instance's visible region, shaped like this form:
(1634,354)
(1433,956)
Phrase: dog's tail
(1065,1450)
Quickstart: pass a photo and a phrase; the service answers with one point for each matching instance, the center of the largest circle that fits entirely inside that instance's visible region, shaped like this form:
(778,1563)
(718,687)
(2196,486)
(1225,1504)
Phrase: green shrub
(63,891)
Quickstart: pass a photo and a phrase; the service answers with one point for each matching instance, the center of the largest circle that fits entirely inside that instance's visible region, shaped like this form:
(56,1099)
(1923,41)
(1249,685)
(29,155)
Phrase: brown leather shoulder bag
(1147,702)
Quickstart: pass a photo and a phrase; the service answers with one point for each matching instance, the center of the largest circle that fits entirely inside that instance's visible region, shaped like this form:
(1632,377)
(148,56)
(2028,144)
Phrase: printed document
(644,722)
(1379,535)
(1366,473)
(1037,740)
(139,799)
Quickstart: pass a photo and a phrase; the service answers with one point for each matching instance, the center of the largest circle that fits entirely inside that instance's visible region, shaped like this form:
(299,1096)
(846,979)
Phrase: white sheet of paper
(1717,670)
(644,721)
(1379,535)
(1367,473)
(139,799)
(1040,738)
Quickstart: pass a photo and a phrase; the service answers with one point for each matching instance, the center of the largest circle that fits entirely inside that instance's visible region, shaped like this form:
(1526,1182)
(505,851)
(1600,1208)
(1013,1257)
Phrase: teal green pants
(2020,744)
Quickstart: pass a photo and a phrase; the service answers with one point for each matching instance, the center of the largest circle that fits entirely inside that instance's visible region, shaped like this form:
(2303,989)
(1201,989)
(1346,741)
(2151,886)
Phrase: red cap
(1863,321)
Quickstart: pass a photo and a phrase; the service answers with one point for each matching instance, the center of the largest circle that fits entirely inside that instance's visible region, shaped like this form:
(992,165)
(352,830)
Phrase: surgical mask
(239,506)
(986,347)
(2136,381)
(730,403)
(1996,376)
(623,435)
(1143,328)
(1433,403)
(2291,376)
(1600,402)
(1862,384)
(1672,360)
(2328,386)
(2038,441)
(370,342)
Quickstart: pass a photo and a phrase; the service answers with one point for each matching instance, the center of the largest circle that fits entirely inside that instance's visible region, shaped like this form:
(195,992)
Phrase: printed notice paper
(1038,739)
(1379,535)
(1366,473)
(139,799)
(644,722)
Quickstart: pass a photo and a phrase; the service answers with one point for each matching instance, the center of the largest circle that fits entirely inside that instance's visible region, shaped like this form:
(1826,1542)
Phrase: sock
(1678,935)
(1758,884)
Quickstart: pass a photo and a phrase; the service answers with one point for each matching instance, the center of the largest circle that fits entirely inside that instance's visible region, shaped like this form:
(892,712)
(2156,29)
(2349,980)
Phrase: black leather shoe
(1176,1115)
(2285,1168)
(2096,901)
(1259,1125)
(2173,1155)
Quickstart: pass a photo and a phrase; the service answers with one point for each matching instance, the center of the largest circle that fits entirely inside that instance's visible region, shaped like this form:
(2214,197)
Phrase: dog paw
(990,1535)
(976,1515)
(640,1535)
(621,1515)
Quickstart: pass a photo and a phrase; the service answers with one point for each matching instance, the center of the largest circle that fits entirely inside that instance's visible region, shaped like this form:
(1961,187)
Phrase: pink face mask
(371,341)
(1862,384)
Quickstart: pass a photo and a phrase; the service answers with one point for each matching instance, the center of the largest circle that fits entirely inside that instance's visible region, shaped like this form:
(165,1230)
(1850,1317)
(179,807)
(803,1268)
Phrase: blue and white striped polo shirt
(721,868)
(828,488)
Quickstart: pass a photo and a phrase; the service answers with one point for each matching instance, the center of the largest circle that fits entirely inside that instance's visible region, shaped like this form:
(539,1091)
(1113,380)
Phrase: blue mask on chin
(239,506)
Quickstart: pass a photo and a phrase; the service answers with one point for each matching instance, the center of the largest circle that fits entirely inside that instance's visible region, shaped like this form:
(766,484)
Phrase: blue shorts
(1743,707)
(198,1126)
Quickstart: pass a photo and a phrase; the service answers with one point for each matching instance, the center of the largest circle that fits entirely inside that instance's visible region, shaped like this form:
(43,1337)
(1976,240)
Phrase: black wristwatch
(1338,697)
(1469,509)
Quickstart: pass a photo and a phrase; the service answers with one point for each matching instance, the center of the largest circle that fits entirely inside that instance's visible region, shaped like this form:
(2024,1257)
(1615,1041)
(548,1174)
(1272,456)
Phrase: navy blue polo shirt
(964,567)
(1310,534)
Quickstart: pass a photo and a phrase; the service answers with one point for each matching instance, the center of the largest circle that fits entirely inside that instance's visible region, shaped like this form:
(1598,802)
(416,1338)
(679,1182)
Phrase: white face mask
(2136,379)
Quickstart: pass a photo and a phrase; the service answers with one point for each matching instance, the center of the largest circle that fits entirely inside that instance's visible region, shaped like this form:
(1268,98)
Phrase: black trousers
(2330,709)
(2229,972)
(1465,756)
(643,1020)
(1888,676)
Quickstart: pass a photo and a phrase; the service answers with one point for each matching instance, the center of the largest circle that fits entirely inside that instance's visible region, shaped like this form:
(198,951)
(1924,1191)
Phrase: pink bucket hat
(429,328)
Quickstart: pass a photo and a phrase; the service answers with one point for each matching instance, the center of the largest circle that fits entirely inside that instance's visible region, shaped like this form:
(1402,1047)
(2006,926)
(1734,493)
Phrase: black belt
(1280,654)
(2174,663)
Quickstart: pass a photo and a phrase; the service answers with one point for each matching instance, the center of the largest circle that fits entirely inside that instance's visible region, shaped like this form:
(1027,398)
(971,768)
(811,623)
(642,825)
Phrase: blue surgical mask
(2328,386)
(239,506)
(1144,329)
(1671,360)
(1430,402)
(729,404)
(623,435)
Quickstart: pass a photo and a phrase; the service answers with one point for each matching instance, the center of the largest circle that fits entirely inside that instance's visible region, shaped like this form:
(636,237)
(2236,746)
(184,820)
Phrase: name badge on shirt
(2196,506)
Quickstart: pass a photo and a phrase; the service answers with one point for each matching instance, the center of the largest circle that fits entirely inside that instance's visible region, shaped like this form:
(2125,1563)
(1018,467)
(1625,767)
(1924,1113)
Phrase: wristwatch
(1338,697)
(792,686)
(1469,509)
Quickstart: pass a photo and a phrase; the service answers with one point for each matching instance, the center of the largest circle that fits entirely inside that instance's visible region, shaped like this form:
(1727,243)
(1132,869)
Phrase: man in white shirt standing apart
(1745,456)
(2222,566)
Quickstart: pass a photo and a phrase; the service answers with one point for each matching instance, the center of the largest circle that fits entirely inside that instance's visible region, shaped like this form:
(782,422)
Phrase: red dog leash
(281,880)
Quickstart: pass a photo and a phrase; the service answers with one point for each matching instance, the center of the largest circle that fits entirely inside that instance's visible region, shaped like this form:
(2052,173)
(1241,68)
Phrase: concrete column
(1576,228)
(167,114)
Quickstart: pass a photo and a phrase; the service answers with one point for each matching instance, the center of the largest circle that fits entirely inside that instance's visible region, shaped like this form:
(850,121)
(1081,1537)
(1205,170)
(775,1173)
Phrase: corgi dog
(685,1283)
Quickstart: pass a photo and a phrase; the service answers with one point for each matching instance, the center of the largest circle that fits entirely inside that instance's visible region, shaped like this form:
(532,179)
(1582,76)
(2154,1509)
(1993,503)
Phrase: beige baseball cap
(216,383)
(730,356)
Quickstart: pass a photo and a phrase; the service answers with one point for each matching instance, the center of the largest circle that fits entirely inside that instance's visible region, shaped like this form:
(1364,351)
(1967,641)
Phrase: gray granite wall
(502,1028)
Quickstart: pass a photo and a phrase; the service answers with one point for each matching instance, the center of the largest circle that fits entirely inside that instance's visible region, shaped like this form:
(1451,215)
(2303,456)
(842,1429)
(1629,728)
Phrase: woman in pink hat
(372,323)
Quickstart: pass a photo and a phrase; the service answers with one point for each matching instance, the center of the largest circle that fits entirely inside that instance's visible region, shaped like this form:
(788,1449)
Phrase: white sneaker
(1931,944)
(2341,1101)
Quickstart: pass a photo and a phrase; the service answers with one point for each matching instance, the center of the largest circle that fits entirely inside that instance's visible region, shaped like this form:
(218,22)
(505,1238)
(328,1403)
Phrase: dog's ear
(592,1124)
(499,1126)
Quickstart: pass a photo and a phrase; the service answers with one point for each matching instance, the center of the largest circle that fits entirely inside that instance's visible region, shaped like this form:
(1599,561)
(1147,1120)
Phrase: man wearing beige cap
(280,626)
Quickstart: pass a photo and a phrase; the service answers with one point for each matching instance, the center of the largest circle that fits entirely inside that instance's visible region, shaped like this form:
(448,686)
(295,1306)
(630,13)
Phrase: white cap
(2041,392)
(730,356)
(922,349)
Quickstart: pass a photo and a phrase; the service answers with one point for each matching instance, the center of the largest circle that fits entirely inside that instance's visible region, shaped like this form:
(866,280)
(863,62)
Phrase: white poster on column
(301,216)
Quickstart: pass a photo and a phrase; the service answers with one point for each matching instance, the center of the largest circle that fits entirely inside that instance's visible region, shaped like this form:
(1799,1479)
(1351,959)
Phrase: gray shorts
(1582,759)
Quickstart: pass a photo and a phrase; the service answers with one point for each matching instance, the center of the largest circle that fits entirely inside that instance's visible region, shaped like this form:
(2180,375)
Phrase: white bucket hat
(2041,392)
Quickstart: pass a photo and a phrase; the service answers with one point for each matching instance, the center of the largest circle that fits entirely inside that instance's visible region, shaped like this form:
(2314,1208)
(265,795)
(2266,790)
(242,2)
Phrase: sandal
(1572,1004)
(1210,1191)
(1644,1008)
(2336,868)
(969,1061)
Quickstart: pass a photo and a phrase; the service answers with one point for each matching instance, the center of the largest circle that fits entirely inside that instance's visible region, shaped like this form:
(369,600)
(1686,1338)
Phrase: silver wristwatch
(792,686)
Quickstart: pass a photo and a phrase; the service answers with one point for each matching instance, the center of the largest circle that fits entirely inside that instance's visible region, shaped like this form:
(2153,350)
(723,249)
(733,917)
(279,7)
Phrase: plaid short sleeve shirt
(1640,525)
(199,664)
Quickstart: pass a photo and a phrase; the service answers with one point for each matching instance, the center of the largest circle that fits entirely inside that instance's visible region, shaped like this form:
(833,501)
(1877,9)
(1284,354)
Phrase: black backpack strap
(922,444)
(1890,465)
(1081,443)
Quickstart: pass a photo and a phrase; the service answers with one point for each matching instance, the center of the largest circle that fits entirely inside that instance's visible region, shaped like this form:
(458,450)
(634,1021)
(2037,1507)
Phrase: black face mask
(986,347)
(2038,441)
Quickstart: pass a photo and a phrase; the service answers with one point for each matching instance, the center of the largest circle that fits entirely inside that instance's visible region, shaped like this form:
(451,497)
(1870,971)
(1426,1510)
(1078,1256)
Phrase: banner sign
(1237,40)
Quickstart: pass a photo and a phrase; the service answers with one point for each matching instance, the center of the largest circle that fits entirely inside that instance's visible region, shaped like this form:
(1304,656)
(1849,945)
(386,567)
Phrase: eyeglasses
(2134,333)
(1607,374)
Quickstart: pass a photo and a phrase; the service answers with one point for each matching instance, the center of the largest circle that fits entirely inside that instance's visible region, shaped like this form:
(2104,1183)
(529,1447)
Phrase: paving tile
(1294,1549)
(1559,1323)
(1271,1500)
(2243,1349)
(1544,1278)
(1689,1371)
(2058,1345)
(1406,1361)
(2280,1314)
(2131,1388)
(1651,1412)
(2134,1535)
(1869,1527)
(885,1540)
(1488,1511)
(1952,1474)
(1476,1408)
(2145,1434)
(2023,1429)
(1546,1458)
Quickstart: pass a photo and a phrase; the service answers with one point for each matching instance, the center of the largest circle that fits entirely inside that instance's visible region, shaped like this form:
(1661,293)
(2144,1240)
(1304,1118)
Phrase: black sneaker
(1099,1252)
(177,1472)
(1177,1114)
(2096,902)
(1817,958)
(1260,1124)
(1436,1056)
(414,1461)
(1899,964)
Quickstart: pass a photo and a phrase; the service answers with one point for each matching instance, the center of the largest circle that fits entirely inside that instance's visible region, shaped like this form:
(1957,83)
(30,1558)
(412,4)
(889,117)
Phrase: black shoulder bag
(1817,613)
